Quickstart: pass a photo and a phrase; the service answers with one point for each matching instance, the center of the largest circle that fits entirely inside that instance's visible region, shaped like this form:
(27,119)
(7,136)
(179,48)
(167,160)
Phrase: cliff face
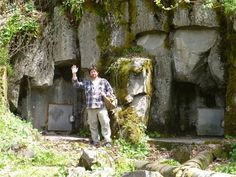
(189,73)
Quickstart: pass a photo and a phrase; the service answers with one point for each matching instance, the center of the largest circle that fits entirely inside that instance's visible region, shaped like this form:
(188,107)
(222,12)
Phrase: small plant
(132,151)
(227,168)
(123,165)
(75,7)
(233,153)
(18,30)
(84,133)
(170,162)
(154,134)
(128,152)
(131,126)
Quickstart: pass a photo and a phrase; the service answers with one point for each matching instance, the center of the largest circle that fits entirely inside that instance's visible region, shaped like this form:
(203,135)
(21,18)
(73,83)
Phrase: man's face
(93,74)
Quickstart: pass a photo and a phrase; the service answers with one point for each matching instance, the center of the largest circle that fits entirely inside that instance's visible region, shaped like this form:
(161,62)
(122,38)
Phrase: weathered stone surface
(162,80)
(234,24)
(119,33)
(36,107)
(89,49)
(144,19)
(181,154)
(76,172)
(105,172)
(197,16)
(64,38)
(181,17)
(99,157)
(209,122)
(140,81)
(143,173)
(204,16)
(162,22)
(141,105)
(216,66)
(119,36)
(190,53)
(153,43)
(36,64)
(88,158)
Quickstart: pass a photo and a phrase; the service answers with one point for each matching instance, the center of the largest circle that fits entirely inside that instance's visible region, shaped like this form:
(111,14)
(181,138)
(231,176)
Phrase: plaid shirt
(93,95)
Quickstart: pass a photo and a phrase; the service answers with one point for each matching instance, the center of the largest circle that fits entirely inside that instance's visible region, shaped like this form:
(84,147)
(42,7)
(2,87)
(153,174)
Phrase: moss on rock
(230,121)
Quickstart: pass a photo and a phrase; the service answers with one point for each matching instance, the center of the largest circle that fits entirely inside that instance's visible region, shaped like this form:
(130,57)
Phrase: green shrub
(233,153)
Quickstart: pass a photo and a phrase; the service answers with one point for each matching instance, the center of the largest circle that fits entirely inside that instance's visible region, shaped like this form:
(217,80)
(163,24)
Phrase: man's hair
(93,67)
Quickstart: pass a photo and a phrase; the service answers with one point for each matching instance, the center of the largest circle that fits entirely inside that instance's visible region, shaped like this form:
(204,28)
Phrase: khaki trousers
(101,115)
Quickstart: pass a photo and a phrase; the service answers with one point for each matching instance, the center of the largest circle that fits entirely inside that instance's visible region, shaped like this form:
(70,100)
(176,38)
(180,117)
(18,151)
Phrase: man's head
(93,73)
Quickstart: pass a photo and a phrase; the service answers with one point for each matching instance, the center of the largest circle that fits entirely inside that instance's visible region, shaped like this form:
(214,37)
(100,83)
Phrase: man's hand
(74,69)
(103,94)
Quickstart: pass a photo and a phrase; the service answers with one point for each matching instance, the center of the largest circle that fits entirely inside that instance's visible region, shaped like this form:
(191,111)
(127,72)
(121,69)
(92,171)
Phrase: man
(95,89)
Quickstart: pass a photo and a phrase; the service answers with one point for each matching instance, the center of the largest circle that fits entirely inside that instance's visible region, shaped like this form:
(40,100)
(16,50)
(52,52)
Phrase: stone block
(58,117)
(209,121)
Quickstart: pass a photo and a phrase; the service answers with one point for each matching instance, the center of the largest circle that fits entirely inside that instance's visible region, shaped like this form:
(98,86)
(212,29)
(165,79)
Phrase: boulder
(65,47)
(190,54)
(35,64)
(198,15)
(98,157)
(143,17)
(153,43)
(204,16)
(141,105)
(162,82)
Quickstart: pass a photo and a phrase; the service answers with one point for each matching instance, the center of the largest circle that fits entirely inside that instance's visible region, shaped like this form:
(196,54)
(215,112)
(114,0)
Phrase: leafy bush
(128,152)
(132,151)
(75,7)
(233,153)
(131,126)
(20,27)
(17,136)
(227,168)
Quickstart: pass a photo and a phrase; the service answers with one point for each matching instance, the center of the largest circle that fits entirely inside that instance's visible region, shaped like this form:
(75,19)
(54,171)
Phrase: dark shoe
(107,144)
(96,144)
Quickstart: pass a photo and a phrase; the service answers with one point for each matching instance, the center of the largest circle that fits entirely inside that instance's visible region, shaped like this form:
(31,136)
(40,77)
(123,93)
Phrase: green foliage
(227,168)
(17,136)
(75,7)
(154,134)
(21,27)
(22,21)
(170,162)
(231,166)
(4,57)
(131,126)
(3,6)
(229,5)
(128,152)
(233,153)
(84,133)
(121,68)
(103,38)
(123,165)
(132,151)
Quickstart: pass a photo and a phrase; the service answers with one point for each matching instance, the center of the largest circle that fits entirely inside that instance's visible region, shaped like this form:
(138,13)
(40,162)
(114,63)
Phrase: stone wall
(185,45)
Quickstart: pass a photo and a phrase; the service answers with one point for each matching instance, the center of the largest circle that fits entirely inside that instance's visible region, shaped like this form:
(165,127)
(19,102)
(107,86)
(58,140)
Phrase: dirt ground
(73,145)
